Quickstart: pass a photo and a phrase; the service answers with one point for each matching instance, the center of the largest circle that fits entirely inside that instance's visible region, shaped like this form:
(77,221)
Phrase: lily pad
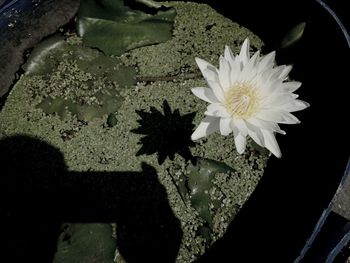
(77,79)
(200,182)
(47,55)
(114,28)
(85,243)
(38,63)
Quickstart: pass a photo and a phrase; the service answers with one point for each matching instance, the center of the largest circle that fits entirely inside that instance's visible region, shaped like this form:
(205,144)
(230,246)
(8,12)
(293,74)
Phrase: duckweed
(107,143)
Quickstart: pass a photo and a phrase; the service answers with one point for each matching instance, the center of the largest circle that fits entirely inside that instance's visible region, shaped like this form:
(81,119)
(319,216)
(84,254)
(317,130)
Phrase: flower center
(241,100)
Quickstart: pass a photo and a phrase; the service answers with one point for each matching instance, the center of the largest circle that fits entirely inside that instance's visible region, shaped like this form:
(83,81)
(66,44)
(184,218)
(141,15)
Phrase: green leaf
(150,3)
(200,182)
(114,28)
(105,72)
(103,9)
(49,53)
(37,63)
(293,36)
(114,38)
(92,242)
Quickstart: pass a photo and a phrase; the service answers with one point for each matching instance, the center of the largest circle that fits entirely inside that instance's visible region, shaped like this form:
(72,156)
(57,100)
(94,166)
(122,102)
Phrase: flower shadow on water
(166,134)
(38,194)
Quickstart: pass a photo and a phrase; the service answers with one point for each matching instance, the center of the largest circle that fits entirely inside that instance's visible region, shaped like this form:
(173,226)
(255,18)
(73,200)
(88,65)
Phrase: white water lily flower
(247,96)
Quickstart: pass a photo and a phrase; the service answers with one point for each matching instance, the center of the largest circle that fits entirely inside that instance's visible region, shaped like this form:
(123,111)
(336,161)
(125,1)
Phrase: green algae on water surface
(74,78)
(112,140)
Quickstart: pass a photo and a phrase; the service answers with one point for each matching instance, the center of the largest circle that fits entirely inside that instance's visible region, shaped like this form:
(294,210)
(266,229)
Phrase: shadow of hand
(38,195)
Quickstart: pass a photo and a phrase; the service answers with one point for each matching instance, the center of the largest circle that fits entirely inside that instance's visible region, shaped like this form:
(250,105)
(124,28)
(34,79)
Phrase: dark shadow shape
(165,134)
(38,194)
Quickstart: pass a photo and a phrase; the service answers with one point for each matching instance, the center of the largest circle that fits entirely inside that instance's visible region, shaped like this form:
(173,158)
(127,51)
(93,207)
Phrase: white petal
(285,72)
(216,110)
(256,134)
(278,100)
(290,86)
(295,105)
(203,65)
(271,143)
(280,72)
(225,128)
(211,74)
(267,125)
(269,87)
(240,139)
(267,62)
(224,74)
(235,71)
(217,89)
(234,128)
(279,116)
(241,126)
(244,53)
(206,127)
(240,142)
(205,94)
(228,55)
(249,70)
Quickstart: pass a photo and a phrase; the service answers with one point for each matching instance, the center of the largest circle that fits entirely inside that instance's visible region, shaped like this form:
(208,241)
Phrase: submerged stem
(167,78)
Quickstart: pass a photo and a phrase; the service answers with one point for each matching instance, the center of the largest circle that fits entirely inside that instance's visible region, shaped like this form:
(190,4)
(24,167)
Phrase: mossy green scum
(77,79)
(85,140)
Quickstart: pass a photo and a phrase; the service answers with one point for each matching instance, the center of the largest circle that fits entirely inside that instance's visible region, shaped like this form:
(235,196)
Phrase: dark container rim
(280,215)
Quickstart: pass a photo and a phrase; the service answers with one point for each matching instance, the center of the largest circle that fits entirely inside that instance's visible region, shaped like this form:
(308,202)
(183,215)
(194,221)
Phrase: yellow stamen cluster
(242,100)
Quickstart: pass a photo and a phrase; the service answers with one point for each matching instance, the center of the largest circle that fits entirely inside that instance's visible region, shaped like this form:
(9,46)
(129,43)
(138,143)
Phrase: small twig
(167,78)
